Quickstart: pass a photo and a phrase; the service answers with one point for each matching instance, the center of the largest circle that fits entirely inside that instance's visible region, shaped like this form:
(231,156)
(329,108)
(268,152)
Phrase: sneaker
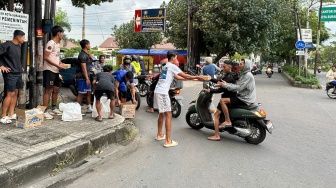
(55,112)
(89,110)
(48,116)
(13,117)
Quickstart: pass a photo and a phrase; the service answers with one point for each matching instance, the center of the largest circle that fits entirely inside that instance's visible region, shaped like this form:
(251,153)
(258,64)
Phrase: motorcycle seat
(249,107)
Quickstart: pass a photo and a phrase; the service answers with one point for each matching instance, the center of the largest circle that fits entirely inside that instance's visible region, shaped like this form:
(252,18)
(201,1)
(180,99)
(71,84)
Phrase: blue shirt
(120,77)
(209,70)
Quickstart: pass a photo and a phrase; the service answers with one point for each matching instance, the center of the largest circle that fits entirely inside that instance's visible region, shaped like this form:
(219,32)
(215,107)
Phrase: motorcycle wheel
(175,108)
(258,134)
(73,90)
(193,120)
(269,75)
(330,93)
(143,89)
(138,98)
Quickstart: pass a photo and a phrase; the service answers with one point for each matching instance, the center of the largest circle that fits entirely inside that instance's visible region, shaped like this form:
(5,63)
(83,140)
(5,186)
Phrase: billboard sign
(11,21)
(150,20)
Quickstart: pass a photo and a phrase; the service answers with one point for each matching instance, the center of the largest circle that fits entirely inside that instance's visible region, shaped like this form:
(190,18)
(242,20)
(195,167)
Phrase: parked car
(69,74)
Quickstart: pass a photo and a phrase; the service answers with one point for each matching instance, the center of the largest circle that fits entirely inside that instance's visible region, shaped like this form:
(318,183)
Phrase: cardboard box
(28,118)
(67,66)
(128,110)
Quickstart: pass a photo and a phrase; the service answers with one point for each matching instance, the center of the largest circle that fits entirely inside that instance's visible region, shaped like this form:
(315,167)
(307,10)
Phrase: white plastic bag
(71,111)
(105,107)
(212,108)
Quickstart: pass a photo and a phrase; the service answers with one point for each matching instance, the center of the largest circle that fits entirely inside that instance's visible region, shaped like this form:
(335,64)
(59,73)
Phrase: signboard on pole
(328,14)
(11,21)
(306,35)
(300,44)
(150,20)
(300,52)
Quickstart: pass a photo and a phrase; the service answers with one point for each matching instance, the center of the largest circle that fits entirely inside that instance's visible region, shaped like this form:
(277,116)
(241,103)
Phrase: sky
(101,18)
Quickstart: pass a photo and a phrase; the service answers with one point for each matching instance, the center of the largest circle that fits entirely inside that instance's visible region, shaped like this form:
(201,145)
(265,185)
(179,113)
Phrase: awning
(152,52)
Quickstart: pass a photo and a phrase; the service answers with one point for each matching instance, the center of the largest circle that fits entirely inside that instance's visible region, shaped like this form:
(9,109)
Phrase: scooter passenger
(246,95)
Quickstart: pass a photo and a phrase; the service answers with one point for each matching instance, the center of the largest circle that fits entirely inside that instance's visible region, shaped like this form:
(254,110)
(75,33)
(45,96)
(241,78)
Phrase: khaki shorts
(162,102)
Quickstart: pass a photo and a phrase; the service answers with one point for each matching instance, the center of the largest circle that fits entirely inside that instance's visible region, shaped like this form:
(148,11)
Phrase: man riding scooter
(245,87)
(229,77)
(127,66)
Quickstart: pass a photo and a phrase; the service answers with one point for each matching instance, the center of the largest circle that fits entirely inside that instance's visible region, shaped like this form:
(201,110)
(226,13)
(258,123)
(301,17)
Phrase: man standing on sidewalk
(10,65)
(51,66)
(83,73)
(162,100)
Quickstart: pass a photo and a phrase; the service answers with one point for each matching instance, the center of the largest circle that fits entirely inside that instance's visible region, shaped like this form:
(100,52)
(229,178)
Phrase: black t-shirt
(10,56)
(105,81)
(83,57)
(230,77)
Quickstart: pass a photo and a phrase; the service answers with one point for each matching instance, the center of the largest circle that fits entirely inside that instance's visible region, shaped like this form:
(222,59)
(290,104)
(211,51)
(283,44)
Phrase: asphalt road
(299,153)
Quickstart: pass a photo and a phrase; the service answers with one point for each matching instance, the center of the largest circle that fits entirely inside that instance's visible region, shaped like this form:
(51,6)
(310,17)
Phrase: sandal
(99,120)
(223,126)
(111,117)
(160,138)
(150,111)
(6,120)
(172,144)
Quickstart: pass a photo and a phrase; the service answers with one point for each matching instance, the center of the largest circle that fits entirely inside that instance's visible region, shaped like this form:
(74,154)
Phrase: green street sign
(328,14)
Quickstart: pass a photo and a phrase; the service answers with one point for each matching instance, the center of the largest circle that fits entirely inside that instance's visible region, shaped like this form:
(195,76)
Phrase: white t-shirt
(54,49)
(167,76)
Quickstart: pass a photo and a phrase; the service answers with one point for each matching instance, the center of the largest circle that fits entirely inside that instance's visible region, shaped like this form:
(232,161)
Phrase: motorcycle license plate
(269,126)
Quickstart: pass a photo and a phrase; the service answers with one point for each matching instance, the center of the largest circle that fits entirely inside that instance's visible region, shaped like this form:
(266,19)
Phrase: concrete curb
(299,84)
(24,171)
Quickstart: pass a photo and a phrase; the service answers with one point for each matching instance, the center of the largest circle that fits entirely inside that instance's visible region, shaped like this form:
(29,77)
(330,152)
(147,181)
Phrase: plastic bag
(105,107)
(212,108)
(71,111)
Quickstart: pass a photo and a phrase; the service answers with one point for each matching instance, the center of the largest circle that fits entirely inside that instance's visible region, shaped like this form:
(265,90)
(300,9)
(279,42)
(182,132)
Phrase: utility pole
(11,5)
(39,54)
(83,28)
(306,49)
(24,57)
(318,37)
(188,64)
(32,65)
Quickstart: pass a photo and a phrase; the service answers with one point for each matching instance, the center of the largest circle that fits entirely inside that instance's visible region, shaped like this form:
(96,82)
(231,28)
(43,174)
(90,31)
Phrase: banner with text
(11,21)
(150,20)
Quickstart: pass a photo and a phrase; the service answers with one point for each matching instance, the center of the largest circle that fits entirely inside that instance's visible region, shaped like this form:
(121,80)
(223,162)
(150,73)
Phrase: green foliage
(294,73)
(71,52)
(96,52)
(79,3)
(61,19)
(126,37)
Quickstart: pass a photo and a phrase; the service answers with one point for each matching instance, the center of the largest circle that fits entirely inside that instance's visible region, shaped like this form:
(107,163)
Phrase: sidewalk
(27,154)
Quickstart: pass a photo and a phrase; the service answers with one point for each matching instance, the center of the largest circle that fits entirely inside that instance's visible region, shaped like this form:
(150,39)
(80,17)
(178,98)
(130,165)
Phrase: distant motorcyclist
(269,66)
(127,64)
(136,64)
(331,75)
(142,65)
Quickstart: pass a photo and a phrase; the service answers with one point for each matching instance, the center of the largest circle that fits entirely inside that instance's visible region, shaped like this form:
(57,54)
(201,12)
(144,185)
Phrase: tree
(61,19)
(79,3)
(126,37)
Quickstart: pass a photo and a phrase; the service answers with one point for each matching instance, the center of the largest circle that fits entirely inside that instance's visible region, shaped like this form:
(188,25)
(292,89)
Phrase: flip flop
(223,126)
(99,120)
(214,139)
(172,144)
(149,111)
(162,138)
(6,120)
(112,117)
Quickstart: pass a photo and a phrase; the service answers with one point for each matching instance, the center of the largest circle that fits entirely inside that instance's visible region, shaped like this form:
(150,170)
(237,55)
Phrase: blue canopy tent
(152,52)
